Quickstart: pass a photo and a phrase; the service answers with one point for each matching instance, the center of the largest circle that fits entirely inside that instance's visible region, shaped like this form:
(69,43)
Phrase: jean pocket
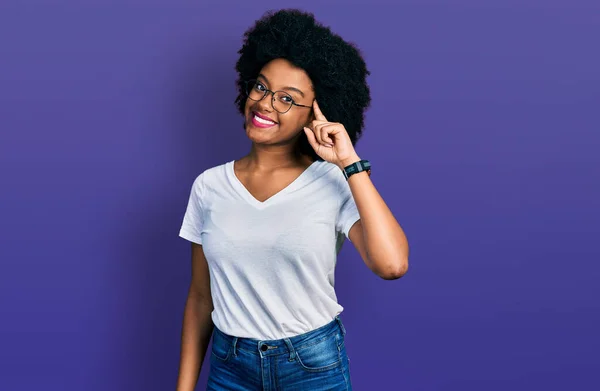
(320,356)
(221,349)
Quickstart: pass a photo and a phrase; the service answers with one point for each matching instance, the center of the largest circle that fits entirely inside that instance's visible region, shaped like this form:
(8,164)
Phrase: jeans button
(264,348)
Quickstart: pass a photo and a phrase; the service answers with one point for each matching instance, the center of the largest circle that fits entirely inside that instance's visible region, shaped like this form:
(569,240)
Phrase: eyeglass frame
(293,103)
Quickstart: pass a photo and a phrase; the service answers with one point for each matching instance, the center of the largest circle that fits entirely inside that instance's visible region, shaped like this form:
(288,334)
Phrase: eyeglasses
(282,102)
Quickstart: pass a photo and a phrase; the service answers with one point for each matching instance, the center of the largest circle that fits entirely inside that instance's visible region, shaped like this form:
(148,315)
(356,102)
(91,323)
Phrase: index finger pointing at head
(318,113)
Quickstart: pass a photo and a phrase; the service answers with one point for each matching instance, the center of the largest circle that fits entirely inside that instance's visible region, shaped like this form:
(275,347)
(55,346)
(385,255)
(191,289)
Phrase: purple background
(484,139)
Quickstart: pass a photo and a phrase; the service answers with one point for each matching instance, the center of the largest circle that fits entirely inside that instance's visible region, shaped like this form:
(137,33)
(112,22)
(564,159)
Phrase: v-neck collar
(243,191)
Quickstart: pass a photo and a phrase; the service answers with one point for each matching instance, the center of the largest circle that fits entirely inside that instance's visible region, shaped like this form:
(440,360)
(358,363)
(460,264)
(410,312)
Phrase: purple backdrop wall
(483,134)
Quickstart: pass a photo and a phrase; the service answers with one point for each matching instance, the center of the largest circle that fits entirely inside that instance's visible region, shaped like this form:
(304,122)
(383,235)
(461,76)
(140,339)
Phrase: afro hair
(336,67)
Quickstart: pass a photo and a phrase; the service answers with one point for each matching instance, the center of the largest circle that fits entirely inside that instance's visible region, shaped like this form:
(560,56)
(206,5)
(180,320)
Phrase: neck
(260,158)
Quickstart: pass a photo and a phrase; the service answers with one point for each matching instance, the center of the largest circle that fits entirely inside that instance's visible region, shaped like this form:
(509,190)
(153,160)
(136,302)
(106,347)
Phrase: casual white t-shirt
(271,263)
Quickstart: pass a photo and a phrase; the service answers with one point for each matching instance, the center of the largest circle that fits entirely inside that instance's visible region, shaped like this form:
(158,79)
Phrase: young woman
(266,228)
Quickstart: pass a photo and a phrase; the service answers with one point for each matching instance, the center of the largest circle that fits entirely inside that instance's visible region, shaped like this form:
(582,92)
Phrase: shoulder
(211,176)
(331,181)
(336,177)
(214,172)
(329,170)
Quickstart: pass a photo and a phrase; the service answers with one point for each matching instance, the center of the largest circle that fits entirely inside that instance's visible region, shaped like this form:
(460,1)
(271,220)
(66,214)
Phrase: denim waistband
(269,347)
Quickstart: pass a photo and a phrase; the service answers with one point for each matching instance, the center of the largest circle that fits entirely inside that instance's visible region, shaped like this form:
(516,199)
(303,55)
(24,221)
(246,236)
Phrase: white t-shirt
(271,263)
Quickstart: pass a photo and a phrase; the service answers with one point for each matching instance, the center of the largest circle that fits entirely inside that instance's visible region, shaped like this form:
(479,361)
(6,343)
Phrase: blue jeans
(314,361)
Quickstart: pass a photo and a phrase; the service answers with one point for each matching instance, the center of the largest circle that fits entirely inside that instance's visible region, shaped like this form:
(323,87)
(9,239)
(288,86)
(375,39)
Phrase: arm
(377,236)
(197,323)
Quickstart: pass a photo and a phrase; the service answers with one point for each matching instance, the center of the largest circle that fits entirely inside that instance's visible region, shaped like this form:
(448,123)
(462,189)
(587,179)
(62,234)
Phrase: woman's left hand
(330,140)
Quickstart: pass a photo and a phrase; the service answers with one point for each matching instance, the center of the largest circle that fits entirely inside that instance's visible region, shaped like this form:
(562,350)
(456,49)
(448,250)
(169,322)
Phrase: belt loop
(291,349)
(337,317)
(235,339)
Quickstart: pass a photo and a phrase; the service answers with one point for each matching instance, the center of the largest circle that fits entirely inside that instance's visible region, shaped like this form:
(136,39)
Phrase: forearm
(195,337)
(385,241)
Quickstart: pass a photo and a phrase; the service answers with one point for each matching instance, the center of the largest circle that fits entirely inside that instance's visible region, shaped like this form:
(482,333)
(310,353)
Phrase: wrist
(348,161)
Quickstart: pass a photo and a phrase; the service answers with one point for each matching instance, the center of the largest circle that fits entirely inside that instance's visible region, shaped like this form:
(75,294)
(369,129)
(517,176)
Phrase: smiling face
(263,124)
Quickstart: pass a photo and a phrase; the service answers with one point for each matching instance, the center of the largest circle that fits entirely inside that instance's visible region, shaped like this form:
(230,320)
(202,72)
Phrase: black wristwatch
(361,165)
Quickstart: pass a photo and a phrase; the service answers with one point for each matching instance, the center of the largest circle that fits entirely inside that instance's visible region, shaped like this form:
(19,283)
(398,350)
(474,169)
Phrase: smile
(261,122)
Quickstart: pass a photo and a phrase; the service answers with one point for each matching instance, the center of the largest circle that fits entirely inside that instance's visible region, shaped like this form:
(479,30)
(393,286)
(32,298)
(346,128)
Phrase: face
(265,125)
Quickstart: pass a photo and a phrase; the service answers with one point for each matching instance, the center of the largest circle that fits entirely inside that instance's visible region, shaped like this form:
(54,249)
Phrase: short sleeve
(193,220)
(348,212)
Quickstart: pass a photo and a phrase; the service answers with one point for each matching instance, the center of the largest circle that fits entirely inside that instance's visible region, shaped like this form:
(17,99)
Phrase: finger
(311,138)
(317,130)
(316,123)
(318,113)
(324,133)
(328,132)
(322,136)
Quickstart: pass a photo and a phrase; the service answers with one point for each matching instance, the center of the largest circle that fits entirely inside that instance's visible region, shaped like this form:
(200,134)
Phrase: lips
(262,121)
(263,116)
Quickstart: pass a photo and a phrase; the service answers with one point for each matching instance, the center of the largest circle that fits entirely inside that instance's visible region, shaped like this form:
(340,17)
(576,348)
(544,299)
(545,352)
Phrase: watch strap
(356,167)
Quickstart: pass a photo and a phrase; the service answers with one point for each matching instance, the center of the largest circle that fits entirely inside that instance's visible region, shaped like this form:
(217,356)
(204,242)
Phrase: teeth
(263,121)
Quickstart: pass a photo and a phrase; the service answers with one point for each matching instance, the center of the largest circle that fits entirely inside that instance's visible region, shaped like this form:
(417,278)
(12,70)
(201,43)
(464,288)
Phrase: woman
(266,229)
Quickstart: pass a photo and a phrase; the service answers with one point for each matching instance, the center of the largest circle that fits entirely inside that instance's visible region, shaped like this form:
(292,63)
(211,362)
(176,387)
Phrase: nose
(266,103)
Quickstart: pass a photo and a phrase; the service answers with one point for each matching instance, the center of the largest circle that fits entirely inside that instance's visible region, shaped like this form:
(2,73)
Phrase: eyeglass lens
(281,102)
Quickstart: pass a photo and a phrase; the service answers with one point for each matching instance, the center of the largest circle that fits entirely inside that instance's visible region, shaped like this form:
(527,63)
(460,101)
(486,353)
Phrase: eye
(259,86)
(287,99)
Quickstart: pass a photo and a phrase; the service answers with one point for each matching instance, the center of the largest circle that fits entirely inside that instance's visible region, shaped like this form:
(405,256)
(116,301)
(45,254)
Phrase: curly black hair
(336,67)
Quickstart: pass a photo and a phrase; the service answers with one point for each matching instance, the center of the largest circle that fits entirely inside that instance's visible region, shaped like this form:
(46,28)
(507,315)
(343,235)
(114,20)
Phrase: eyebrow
(285,88)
